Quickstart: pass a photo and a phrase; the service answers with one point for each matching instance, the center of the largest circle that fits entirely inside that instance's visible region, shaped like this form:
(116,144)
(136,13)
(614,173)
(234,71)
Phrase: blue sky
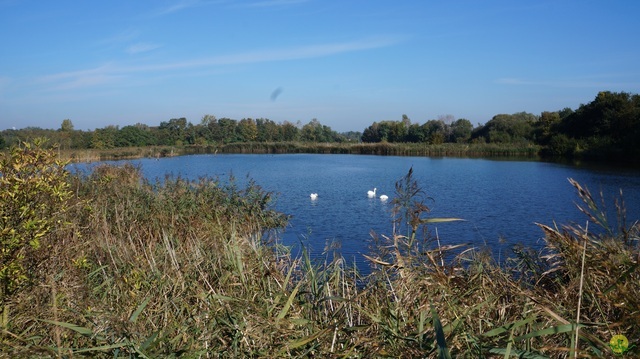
(346,63)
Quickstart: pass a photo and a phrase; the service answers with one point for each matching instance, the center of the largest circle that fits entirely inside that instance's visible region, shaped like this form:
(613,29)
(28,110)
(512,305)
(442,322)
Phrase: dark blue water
(500,201)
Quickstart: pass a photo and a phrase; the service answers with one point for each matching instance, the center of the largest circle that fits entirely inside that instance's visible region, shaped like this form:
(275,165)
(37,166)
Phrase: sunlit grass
(384,148)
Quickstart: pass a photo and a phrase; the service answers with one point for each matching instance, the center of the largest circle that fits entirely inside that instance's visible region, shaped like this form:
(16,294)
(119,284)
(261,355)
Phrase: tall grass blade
(443,350)
(299,343)
(75,328)
(564,328)
(287,279)
(574,339)
(507,353)
(139,310)
(511,326)
(147,343)
(421,328)
(287,305)
(102,348)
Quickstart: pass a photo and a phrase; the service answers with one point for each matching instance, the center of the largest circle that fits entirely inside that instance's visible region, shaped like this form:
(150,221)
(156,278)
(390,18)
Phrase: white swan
(372,194)
(313,195)
(384,197)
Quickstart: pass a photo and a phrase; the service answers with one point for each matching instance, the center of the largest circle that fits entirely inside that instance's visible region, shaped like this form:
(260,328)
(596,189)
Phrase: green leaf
(551,330)
(287,305)
(102,348)
(139,310)
(443,351)
(510,326)
(75,328)
(299,343)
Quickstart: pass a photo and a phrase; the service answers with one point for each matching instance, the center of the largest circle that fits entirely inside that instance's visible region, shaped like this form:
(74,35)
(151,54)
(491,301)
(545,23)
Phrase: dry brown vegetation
(179,268)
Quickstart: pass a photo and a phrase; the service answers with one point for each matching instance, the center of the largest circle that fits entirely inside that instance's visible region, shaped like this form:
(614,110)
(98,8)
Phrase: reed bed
(387,149)
(384,149)
(179,268)
(121,153)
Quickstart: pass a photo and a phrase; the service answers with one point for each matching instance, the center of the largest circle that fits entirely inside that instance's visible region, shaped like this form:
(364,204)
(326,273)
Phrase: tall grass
(386,148)
(121,153)
(383,148)
(194,269)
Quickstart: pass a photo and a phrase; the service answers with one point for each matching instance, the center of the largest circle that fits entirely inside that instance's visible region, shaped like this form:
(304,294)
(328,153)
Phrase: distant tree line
(180,132)
(606,128)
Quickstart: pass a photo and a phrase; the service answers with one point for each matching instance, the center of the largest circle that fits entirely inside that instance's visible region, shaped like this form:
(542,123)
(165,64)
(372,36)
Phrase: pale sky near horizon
(346,63)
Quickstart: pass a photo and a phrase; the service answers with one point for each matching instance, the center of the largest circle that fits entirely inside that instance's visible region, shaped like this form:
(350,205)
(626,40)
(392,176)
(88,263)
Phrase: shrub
(33,195)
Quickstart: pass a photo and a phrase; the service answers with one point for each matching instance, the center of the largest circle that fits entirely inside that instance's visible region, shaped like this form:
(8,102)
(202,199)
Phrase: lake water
(500,201)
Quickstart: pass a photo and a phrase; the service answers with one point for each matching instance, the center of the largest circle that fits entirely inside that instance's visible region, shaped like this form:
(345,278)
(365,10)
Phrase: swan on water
(372,194)
(313,195)
(384,197)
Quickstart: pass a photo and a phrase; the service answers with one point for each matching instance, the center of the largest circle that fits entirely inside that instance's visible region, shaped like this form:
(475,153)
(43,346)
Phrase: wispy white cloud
(141,47)
(81,79)
(110,73)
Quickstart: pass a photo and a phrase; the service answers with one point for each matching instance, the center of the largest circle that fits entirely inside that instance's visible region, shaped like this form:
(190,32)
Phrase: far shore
(384,149)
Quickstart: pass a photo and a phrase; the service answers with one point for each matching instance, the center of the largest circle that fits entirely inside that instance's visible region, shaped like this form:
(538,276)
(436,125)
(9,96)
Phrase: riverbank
(383,149)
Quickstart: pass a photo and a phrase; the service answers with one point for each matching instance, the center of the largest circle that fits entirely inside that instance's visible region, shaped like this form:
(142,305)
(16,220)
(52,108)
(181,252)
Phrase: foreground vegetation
(606,129)
(123,267)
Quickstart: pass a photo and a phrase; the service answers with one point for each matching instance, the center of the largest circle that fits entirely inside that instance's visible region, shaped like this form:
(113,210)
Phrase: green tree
(505,128)
(224,131)
(134,136)
(435,131)
(606,128)
(398,130)
(289,132)
(207,120)
(268,131)
(247,130)
(104,138)
(174,131)
(610,114)
(312,132)
(203,129)
(67,126)
(415,133)
(461,130)
(546,126)
(372,134)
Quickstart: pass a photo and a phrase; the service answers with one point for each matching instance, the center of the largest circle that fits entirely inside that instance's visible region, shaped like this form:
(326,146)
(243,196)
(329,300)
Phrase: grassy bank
(194,269)
(121,153)
(385,149)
